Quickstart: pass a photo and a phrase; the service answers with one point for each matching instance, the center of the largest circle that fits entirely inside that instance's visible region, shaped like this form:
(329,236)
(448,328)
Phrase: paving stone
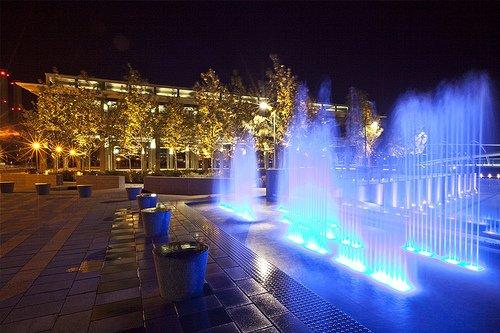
(232,297)
(213,268)
(248,318)
(168,324)
(118,284)
(269,305)
(155,307)
(118,295)
(55,278)
(251,287)
(83,286)
(271,329)
(289,323)
(226,328)
(42,298)
(116,308)
(219,281)
(129,321)
(33,311)
(74,323)
(198,304)
(3,313)
(30,325)
(226,262)
(10,302)
(49,286)
(204,320)
(80,302)
(236,273)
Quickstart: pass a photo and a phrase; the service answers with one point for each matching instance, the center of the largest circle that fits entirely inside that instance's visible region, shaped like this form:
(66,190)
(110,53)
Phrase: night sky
(382,48)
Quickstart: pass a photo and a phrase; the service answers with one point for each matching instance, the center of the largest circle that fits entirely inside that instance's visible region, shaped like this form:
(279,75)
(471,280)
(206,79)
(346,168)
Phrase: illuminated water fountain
(309,203)
(238,196)
(441,135)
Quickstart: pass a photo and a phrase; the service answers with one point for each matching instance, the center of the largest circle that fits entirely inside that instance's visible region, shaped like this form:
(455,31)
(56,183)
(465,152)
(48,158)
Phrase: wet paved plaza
(446,298)
(70,264)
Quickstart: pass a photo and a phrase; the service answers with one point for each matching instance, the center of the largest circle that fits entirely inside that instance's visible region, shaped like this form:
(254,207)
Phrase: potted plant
(133,192)
(180,269)
(6,187)
(42,188)
(156,220)
(84,191)
(147,200)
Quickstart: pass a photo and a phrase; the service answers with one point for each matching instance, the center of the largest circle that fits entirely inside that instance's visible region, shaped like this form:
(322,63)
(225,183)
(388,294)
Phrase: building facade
(112,91)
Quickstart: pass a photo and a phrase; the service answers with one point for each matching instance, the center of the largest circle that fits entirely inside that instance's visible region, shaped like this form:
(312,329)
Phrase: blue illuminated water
(237,197)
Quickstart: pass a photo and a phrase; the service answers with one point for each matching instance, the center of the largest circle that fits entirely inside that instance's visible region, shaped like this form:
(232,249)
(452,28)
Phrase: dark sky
(382,48)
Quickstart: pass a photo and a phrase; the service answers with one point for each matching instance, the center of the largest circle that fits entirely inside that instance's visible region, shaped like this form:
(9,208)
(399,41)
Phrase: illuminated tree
(173,128)
(214,114)
(363,124)
(139,111)
(282,92)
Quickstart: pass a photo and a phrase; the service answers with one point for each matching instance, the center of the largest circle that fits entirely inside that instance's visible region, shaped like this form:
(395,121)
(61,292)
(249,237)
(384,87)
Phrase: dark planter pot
(42,188)
(156,222)
(84,191)
(147,200)
(133,192)
(6,187)
(180,269)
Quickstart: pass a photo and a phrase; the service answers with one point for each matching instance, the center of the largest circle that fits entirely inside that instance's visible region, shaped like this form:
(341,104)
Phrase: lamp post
(264,106)
(58,150)
(36,147)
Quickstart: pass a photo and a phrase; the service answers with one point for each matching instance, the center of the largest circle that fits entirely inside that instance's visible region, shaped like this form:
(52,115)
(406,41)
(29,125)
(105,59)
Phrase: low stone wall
(101,182)
(26,181)
(184,185)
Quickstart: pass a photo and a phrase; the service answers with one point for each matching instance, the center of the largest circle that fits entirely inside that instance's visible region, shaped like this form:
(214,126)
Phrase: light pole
(264,106)
(36,147)
(58,150)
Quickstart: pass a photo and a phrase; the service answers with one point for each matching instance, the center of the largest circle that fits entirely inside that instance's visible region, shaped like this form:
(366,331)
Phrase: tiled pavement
(70,264)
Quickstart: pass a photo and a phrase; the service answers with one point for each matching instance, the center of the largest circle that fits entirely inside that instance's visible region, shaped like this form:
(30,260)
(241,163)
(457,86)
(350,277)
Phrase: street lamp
(58,150)
(36,147)
(264,106)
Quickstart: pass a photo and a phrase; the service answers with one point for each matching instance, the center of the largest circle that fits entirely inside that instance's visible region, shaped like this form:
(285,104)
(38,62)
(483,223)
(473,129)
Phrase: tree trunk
(130,163)
(157,165)
(65,163)
(90,162)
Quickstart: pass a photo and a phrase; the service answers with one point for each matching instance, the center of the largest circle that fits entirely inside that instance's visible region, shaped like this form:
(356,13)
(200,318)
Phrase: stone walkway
(70,264)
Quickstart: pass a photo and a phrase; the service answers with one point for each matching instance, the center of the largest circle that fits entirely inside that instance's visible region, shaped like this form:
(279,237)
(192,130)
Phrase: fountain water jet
(238,197)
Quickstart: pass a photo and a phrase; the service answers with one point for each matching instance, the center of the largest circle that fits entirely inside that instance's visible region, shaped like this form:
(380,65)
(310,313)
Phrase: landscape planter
(147,200)
(42,188)
(156,221)
(84,191)
(180,269)
(133,192)
(6,187)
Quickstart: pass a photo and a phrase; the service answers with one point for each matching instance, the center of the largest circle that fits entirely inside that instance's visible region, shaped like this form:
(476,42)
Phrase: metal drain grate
(311,309)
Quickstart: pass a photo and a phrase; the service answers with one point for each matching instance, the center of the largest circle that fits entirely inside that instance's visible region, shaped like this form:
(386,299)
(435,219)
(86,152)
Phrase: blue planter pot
(6,187)
(147,200)
(42,188)
(180,269)
(84,191)
(156,222)
(133,192)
